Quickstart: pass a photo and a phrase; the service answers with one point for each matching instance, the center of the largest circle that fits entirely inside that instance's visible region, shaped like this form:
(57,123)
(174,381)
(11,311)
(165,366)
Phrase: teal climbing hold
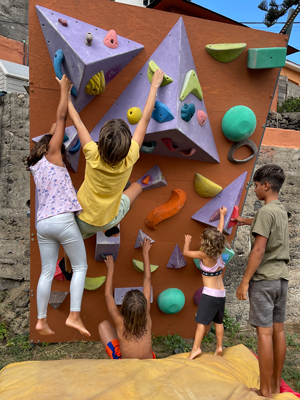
(273,57)
(66,138)
(161,113)
(171,301)
(191,84)
(148,147)
(238,123)
(187,112)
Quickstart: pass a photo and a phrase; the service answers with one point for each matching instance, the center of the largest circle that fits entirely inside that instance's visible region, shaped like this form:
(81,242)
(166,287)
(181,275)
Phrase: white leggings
(51,232)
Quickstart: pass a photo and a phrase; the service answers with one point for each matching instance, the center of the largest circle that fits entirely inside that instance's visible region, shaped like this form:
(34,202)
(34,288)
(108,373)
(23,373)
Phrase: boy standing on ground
(266,277)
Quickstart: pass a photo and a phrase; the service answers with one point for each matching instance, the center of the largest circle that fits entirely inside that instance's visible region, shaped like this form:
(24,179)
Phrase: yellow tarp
(206,378)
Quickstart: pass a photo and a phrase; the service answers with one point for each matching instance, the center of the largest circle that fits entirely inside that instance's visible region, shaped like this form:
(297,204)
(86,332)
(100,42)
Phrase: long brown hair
(212,242)
(134,311)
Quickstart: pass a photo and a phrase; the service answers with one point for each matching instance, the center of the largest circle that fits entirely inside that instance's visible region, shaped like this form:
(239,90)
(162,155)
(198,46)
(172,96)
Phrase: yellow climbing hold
(139,266)
(205,187)
(152,67)
(94,283)
(134,114)
(96,84)
(225,52)
(191,84)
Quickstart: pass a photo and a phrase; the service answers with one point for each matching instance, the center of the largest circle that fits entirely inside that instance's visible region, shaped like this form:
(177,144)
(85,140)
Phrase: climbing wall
(224,85)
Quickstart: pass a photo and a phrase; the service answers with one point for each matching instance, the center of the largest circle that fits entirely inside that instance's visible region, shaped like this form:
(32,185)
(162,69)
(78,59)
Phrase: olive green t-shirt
(271,222)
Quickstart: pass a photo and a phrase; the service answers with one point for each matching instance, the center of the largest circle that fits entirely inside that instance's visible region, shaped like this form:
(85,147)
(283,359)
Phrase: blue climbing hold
(58,59)
(74,149)
(66,138)
(161,113)
(187,112)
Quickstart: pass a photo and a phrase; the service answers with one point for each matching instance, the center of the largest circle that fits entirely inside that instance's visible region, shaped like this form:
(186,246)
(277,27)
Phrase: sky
(247,11)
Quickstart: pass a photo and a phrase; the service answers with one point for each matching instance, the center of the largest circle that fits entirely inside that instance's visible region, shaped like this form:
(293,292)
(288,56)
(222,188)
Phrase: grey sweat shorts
(267,302)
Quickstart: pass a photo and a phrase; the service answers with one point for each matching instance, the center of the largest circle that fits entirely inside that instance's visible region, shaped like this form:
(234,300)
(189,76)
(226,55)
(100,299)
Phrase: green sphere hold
(171,301)
(238,123)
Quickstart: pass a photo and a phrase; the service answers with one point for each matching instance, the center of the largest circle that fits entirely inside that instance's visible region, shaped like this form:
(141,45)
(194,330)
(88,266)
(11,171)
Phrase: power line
(262,23)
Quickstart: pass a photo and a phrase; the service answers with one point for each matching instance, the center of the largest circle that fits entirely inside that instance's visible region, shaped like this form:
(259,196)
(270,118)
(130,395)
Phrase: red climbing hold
(63,22)
(111,39)
(201,117)
(168,142)
(146,180)
(58,273)
(234,214)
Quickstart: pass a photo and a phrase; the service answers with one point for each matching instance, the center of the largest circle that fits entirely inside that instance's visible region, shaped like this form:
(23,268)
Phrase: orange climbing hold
(111,39)
(146,180)
(167,210)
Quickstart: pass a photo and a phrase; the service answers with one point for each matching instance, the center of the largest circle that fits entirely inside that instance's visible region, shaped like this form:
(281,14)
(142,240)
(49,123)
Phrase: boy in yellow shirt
(108,168)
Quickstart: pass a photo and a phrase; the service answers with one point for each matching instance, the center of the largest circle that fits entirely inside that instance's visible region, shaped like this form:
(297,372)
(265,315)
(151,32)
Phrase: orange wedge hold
(167,210)
(146,180)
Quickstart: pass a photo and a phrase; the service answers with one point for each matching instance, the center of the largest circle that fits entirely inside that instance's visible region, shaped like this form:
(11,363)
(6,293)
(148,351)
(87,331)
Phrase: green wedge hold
(225,52)
(139,266)
(152,67)
(191,84)
(94,283)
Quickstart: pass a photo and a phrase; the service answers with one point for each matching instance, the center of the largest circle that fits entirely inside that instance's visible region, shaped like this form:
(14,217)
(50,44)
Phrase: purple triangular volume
(156,179)
(175,58)
(176,260)
(140,238)
(82,62)
(228,197)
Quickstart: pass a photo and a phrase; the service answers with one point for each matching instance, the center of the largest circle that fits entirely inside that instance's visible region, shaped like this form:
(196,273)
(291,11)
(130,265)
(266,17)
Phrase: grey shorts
(267,302)
(88,230)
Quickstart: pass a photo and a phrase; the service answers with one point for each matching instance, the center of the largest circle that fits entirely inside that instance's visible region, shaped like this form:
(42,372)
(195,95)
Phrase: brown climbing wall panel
(224,86)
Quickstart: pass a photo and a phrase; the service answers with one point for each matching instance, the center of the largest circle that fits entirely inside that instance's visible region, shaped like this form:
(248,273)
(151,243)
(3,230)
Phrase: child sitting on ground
(108,168)
(132,336)
(212,302)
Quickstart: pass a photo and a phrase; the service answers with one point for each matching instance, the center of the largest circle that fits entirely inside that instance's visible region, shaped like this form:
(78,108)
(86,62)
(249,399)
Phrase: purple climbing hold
(215,216)
(140,238)
(106,246)
(176,260)
(156,179)
(197,296)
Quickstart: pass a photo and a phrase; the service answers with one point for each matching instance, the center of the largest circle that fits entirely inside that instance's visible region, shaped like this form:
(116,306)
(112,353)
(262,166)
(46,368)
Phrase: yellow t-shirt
(103,185)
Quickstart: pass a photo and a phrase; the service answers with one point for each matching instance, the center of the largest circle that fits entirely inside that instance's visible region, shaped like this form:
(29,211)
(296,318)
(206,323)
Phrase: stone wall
(284,121)
(14,19)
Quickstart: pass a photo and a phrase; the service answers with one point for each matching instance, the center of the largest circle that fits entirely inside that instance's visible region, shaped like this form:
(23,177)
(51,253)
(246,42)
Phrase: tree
(274,11)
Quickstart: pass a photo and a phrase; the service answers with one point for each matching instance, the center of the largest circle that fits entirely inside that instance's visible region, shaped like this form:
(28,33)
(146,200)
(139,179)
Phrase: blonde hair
(212,242)
(134,312)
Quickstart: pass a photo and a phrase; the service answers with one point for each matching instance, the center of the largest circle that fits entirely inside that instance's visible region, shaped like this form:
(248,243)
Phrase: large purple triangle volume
(228,197)
(176,260)
(82,62)
(175,58)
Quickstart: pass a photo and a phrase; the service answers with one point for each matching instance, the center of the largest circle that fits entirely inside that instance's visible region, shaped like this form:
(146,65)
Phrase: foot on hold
(76,323)
(67,274)
(194,353)
(219,351)
(112,231)
(43,328)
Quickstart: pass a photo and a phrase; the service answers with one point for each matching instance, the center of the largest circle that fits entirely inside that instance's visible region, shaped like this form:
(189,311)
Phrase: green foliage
(230,324)
(291,375)
(19,342)
(292,104)
(290,340)
(172,342)
(274,11)
(3,331)
(251,343)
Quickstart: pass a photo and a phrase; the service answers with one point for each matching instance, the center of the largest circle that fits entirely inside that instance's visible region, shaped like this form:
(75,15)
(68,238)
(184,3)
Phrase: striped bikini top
(212,271)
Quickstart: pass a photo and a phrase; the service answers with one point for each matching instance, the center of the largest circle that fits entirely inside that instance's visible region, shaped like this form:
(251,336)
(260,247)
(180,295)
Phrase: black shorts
(211,309)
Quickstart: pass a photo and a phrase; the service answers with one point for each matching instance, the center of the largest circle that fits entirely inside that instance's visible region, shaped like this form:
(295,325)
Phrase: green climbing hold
(238,123)
(94,283)
(273,57)
(139,266)
(152,67)
(191,84)
(171,301)
(225,52)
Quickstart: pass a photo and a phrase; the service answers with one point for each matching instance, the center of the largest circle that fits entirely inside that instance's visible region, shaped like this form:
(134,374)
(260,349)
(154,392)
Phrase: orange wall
(11,50)
(281,138)
(292,75)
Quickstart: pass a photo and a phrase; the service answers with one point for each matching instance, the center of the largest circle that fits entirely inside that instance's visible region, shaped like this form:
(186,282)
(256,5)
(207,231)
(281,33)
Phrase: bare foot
(194,353)
(76,323)
(259,393)
(43,328)
(219,351)
(275,387)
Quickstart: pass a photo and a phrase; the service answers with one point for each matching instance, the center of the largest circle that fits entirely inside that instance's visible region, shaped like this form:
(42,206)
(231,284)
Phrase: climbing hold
(111,39)
(171,301)
(156,179)
(161,113)
(238,123)
(176,260)
(63,22)
(106,246)
(76,148)
(66,138)
(201,117)
(148,147)
(188,153)
(140,238)
(237,145)
(273,57)
(234,214)
(57,298)
(134,114)
(227,255)
(167,210)
(88,39)
(61,265)
(71,159)
(120,293)
(225,52)
(152,67)
(205,187)
(58,59)
(139,266)
(215,216)
(169,143)
(191,85)
(146,180)
(197,296)
(58,273)
(187,112)
(94,283)
(96,84)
